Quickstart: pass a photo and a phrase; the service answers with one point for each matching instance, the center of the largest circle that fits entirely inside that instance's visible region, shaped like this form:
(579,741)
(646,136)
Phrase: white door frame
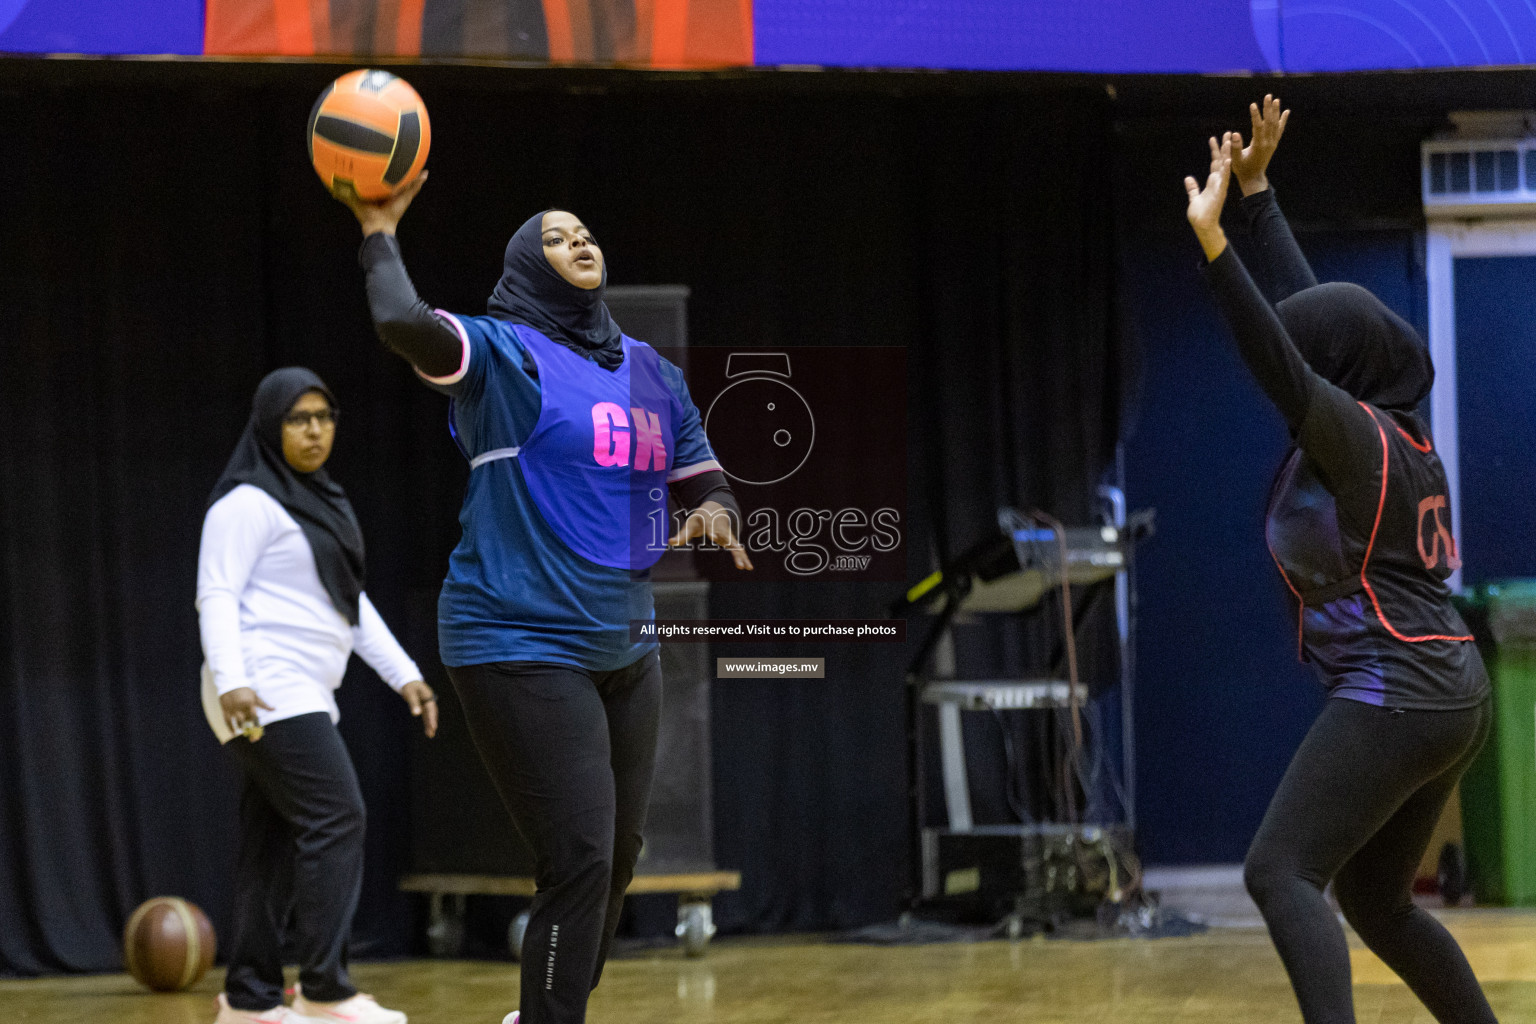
(1446,242)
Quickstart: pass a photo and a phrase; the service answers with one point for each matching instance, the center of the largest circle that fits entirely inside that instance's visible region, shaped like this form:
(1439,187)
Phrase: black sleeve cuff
(696,490)
(711,486)
(1224,270)
(1257,204)
(727,500)
(377,248)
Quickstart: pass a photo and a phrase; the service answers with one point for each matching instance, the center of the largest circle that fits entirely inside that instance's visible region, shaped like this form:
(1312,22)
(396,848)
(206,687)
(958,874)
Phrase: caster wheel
(695,927)
(1452,874)
(516,932)
(445,932)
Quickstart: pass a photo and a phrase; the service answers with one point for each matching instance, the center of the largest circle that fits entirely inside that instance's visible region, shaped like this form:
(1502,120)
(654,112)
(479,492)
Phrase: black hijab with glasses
(315,501)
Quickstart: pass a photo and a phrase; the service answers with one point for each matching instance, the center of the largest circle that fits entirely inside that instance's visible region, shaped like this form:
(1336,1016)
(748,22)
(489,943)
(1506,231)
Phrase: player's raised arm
(1282,267)
(404,323)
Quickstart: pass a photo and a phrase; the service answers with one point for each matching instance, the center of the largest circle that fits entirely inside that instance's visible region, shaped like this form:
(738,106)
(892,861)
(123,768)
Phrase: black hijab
(1349,336)
(532,292)
(316,502)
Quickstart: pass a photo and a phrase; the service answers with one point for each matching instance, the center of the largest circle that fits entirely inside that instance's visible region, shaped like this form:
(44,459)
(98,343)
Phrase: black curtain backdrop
(165,243)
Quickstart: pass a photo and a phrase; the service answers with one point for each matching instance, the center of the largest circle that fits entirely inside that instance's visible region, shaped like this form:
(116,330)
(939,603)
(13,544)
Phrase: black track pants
(301,851)
(572,754)
(1358,806)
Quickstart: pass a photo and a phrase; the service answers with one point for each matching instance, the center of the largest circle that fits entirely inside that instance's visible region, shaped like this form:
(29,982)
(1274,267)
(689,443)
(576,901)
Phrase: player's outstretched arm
(1282,266)
(405,324)
(1261,338)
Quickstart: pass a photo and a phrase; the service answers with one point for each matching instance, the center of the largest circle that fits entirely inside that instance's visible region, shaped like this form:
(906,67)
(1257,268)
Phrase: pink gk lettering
(610,435)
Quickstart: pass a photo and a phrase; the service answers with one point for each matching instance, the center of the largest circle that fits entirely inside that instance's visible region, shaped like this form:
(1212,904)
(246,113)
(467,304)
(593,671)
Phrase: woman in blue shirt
(575,434)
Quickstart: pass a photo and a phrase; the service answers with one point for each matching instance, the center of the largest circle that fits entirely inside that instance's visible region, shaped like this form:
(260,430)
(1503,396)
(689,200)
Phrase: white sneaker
(279,1014)
(510,1018)
(360,1009)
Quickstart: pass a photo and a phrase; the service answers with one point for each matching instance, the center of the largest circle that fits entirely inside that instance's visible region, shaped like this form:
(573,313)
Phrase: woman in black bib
(1359,528)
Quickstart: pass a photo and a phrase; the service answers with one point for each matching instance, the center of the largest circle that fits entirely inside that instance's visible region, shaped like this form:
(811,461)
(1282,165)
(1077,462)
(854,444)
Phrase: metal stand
(1040,860)
(915,796)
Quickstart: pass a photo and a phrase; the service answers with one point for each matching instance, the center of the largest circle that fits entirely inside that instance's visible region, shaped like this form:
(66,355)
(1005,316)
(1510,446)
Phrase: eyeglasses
(323,418)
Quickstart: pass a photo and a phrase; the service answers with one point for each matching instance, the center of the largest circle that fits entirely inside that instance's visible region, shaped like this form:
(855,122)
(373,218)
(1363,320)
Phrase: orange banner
(656,33)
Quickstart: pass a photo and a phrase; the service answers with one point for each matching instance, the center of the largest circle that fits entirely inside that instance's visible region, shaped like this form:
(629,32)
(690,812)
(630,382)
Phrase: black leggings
(1358,806)
(572,754)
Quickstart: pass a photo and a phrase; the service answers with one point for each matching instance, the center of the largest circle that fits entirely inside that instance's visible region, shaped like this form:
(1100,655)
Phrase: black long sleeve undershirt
(1327,423)
(1283,267)
(409,328)
(405,324)
(1261,339)
(711,486)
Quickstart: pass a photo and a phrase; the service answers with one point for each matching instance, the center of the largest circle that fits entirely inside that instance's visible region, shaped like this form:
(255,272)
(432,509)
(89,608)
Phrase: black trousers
(572,754)
(1358,806)
(301,852)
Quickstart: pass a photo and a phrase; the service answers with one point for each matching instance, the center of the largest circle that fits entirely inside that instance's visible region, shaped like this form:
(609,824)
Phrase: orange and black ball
(368,134)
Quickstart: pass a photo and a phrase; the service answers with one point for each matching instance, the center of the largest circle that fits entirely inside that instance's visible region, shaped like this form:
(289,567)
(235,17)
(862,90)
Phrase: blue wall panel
(101,26)
(1496,414)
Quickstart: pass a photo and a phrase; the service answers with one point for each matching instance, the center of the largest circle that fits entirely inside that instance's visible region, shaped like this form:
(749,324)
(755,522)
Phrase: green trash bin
(1498,793)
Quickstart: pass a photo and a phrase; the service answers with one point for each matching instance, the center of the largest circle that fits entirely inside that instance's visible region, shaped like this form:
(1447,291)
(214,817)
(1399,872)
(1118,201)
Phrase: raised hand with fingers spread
(1205,203)
(1251,162)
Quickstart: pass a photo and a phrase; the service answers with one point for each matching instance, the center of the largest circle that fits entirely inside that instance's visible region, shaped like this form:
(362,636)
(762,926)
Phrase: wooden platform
(702,883)
(1223,977)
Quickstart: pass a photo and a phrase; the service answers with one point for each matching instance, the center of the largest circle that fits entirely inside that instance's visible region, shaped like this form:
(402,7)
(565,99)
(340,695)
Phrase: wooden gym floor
(1225,976)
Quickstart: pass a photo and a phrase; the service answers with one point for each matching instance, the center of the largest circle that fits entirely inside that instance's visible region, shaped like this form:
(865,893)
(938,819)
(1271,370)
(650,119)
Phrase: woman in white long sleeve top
(281,607)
